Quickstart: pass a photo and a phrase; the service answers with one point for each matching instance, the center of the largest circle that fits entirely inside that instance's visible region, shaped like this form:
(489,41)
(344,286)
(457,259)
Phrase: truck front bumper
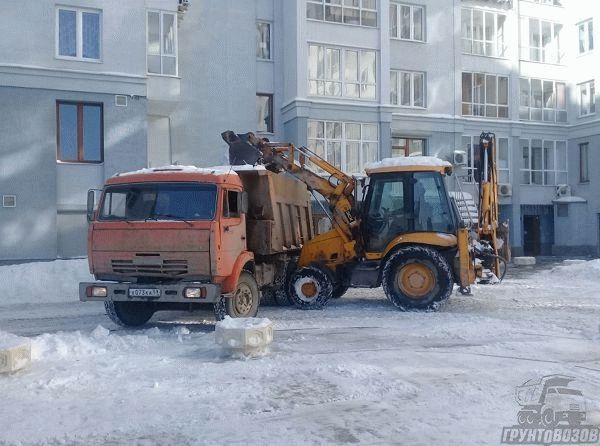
(139,292)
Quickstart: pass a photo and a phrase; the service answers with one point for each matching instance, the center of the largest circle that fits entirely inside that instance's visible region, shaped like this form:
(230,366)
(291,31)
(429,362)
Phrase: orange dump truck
(182,238)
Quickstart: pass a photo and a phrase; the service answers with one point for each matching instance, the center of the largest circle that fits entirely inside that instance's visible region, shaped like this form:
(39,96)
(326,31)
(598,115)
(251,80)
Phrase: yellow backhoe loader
(406,236)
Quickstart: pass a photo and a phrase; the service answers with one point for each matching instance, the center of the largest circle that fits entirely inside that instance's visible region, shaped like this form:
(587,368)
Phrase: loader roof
(409,164)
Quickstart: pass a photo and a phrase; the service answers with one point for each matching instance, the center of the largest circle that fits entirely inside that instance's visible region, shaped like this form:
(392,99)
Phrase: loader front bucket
(241,150)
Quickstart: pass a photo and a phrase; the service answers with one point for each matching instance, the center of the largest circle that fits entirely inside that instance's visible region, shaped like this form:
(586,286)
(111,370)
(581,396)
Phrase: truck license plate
(144,292)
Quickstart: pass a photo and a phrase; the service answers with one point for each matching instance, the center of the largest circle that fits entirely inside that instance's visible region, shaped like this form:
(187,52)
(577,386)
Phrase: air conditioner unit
(505,190)
(563,190)
(121,100)
(460,158)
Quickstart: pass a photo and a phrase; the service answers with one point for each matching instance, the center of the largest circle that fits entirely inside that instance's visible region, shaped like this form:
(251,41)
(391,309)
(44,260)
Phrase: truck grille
(161,268)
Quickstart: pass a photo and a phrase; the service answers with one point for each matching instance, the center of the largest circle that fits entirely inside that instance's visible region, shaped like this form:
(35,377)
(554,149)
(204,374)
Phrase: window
(231,204)
(346,145)
(587,98)
(542,100)
(543,162)
(407,22)
(80,132)
(341,72)
(79,34)
(159,201)
(264,113)
(351,12)
(162,43)
(263,40)
(548,2)
(407,88)
(471,146)
(540,40)
(484,95)
(584,173)
(408,146)
(586,36)
(483,32)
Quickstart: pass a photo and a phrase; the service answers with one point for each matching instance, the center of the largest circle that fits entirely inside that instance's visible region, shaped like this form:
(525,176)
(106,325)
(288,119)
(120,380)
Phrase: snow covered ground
(358,372)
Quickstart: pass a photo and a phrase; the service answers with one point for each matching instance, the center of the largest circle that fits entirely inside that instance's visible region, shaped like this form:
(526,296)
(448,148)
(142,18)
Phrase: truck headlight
(97,291)
(194,293)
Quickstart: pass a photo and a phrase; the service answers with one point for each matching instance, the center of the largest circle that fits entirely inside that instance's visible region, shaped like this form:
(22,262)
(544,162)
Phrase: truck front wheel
(417,278)
(243,302)
(128,314)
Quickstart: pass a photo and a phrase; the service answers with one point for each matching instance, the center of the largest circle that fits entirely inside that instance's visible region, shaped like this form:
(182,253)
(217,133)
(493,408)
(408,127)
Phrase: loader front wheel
(310,288)
(128,314)
(243,302)
(417,278)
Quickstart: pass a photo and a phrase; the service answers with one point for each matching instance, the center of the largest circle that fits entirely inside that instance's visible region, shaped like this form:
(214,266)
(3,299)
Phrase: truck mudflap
(187,292)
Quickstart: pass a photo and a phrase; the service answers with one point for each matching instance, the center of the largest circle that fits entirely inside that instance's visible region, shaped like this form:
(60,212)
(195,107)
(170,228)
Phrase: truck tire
(267,296)
(310,288)
(417,278)
(549,418)
(339,291)
(243,302)
(128,314)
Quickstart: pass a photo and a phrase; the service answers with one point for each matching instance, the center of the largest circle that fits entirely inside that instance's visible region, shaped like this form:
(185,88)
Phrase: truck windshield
(159,201)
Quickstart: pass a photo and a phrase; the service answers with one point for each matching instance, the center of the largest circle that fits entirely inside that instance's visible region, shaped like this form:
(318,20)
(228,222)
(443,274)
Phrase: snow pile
(573,272)
(213,170)
(9,340)
(409,161)
(244,323)
(36,282)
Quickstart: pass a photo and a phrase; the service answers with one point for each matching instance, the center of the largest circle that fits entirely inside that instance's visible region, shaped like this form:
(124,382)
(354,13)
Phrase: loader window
(399,203)
(159,201)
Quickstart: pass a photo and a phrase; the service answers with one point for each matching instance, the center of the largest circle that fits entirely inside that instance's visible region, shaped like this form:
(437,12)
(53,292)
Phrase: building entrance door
(532,235)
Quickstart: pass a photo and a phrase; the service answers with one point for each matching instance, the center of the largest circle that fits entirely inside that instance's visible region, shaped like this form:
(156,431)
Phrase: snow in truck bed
(214,170)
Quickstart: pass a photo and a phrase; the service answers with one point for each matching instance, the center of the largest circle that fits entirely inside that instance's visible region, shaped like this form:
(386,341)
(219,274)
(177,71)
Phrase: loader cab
(401,201)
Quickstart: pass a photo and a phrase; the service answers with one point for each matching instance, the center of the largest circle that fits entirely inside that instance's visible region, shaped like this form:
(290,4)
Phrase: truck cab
(170,238)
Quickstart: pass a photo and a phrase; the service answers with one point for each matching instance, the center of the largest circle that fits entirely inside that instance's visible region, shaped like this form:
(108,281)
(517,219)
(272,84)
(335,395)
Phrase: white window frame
(555,110)
(342,6)
(270,48)
(78,34)
(473,144)
(398,101)
(6,201)
(398,6)
(498,45)
(584,162)
(485,104)
(560,176)
(589,88)
(587,33)
(342,73)
(343,143)
(552,55)
(160,35)
(546,2)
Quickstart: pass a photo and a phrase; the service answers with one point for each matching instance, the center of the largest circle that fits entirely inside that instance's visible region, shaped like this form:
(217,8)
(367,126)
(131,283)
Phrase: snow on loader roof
(409,163)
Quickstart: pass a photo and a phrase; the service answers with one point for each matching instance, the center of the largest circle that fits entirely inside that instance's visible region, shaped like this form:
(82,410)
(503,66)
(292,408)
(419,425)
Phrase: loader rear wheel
(339,291)
(310,288)
(243,302)
(128,314)
(417,278)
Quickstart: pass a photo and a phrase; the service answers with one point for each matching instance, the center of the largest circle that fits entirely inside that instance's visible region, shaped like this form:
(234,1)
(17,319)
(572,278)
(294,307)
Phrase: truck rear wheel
(243,302)
(128,314)
(417,278)
(310,288)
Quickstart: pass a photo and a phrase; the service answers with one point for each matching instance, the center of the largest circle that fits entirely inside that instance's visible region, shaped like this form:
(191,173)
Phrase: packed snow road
(358,372)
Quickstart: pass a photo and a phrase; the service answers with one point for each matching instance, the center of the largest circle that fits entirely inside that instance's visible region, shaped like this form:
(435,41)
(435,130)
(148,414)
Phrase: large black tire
(310,288)
(243,302)
(129,314)
(339,291)
(267,296)
(417,278)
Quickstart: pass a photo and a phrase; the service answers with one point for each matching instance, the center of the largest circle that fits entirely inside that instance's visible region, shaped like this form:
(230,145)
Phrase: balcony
(163,94)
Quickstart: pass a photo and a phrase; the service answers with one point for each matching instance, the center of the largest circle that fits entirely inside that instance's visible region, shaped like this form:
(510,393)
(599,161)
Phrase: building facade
(355,80)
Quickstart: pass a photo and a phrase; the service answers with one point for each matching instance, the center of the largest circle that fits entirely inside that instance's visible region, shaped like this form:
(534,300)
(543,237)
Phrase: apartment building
(355,80)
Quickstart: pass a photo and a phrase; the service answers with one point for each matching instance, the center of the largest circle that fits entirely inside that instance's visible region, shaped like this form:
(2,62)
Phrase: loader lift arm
(336,187)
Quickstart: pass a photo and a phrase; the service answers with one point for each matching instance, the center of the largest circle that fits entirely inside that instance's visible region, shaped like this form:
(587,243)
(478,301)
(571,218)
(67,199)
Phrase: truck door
(233,230)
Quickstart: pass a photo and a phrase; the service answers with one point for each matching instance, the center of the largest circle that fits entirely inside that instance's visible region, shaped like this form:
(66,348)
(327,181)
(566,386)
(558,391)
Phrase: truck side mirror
(92,196)
(244,202)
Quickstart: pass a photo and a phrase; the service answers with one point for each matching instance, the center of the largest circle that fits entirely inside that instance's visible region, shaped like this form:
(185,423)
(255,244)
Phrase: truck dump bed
(279,215)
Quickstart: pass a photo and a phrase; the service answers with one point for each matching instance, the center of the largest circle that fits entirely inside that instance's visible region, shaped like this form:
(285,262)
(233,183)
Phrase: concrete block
(15,353)
(523,261)
(246,336)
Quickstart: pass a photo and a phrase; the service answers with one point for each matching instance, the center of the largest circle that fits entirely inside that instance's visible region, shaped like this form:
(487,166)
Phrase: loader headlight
(97,291)
(194,293)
